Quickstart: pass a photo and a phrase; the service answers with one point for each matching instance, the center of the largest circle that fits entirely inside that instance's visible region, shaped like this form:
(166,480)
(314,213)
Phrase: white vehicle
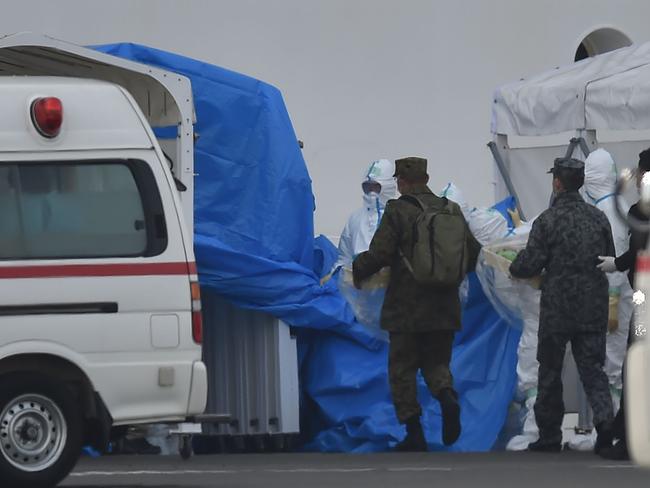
(637,364)
(99,298)
(637,375)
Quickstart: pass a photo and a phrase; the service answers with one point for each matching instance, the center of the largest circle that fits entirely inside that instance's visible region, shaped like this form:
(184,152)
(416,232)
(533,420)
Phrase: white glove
(608,265)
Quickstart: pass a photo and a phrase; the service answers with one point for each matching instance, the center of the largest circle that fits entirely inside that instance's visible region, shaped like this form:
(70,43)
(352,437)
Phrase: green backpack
(439,255)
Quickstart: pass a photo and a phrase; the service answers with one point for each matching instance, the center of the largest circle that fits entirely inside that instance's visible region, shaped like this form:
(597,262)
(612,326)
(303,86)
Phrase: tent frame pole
(577,142)
(505,174)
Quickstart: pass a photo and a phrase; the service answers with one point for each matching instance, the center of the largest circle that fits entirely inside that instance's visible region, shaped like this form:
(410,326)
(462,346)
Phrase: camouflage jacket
(409,306)
(564,244)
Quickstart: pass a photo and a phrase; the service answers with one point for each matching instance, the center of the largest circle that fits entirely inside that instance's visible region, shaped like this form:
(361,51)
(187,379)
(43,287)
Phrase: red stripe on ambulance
(643,263)
(97,270)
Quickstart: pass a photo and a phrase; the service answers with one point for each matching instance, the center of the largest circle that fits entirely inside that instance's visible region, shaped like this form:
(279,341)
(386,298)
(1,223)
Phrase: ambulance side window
(82,209)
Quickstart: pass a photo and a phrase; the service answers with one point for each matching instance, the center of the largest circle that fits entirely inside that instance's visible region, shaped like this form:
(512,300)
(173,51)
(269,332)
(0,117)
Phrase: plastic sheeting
(254,245)
(367,302)
(250,171)
(508,296)
(517,301)
(353,400)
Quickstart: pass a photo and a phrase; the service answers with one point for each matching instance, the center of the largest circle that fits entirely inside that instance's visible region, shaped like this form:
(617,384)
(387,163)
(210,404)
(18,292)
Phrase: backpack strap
(412,199)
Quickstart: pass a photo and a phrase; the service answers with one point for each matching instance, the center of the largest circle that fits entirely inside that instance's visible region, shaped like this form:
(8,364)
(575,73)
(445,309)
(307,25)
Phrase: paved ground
(526,470)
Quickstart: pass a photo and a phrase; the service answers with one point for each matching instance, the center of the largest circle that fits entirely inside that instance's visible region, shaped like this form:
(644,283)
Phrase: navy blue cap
(567,163)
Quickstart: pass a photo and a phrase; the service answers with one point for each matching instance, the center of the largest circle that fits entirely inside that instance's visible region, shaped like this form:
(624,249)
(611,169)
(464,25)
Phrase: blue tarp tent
(254,245)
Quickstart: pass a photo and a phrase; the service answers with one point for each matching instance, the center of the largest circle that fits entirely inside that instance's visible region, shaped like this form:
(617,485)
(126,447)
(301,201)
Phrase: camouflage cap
(411,168)
(567,163)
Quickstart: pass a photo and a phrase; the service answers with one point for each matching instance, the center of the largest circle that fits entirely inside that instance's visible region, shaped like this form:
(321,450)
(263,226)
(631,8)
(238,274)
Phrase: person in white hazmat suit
(489,226)
(599,190)
(527,365)
(379,186)
(486,224)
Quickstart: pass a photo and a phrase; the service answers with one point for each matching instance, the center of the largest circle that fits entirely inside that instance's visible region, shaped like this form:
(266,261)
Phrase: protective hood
(600,176)
(453,193)
(381,171)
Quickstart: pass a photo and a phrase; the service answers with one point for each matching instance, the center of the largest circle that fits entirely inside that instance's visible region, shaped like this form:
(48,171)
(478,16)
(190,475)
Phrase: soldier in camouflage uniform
(564,243)
(421,321)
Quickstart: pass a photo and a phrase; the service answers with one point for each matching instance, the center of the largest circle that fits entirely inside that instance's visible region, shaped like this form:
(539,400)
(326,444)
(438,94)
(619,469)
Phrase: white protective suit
(486,224)
(363,223)
(527,366)
(599,188)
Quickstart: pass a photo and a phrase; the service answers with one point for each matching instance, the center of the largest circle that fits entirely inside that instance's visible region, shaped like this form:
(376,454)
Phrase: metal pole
(585,416)
(506,176)
(572,147)
(577,141)
(584,146)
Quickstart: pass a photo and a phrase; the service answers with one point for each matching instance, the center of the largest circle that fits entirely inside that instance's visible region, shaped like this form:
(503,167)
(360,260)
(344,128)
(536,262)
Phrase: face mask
(374,206)
(370,199)
(389,192)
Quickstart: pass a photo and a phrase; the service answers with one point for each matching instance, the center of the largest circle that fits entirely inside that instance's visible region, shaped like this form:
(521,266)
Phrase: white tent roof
(607,92)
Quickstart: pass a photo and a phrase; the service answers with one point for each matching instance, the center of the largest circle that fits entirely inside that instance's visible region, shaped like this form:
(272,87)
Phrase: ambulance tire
(41,430)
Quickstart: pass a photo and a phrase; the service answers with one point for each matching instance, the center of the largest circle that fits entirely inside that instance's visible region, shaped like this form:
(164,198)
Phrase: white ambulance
(637,363)
(100,321)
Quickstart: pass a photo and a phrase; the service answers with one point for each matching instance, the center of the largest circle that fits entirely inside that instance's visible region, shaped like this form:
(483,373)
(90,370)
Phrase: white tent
(592,100)
(606,92)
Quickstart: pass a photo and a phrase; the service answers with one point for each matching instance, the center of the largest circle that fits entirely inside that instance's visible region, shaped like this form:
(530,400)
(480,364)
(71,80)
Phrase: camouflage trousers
(410,352)
(589,353)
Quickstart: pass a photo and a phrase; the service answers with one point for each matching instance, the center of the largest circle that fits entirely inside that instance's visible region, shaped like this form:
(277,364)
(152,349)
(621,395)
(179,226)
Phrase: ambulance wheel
(41,431)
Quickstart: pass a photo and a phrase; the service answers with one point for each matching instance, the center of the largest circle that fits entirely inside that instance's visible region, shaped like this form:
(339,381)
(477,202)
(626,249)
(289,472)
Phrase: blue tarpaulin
(255,245)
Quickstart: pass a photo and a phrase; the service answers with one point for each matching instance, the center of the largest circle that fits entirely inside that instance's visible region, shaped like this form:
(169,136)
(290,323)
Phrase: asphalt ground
(497,469)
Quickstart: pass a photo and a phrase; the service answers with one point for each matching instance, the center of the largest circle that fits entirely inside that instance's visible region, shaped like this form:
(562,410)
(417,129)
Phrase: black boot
(448,399)
(605,437)
(618,452)
(414,440)
(545,446)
